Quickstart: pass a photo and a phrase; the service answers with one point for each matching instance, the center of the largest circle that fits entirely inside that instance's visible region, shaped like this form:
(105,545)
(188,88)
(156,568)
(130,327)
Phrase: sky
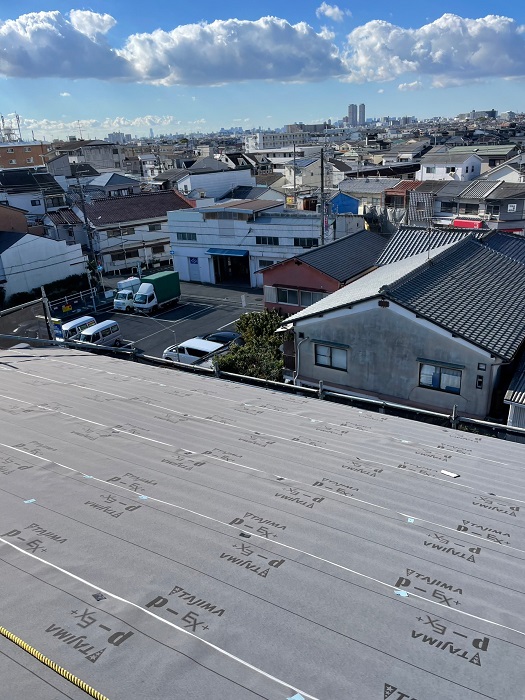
(86,70)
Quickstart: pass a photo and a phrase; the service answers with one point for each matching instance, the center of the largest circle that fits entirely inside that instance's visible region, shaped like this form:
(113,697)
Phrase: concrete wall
(383,345)
(34,261)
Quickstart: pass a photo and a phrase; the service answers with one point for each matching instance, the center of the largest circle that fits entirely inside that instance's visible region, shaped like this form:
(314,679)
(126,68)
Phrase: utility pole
(322,204)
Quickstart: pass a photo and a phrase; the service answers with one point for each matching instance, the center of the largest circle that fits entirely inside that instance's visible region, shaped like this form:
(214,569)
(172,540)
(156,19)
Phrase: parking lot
(202,309)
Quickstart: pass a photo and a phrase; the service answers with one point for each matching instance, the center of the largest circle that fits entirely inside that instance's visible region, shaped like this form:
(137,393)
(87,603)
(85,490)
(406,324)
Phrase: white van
(72,329)
(105,333)
(191,351)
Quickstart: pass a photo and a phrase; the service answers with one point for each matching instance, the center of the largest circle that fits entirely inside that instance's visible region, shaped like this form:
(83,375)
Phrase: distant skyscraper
(151,134)
(362,115)
(352,115)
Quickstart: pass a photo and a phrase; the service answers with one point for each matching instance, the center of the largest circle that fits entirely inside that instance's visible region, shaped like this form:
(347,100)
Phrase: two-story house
(36,192)
(449,166)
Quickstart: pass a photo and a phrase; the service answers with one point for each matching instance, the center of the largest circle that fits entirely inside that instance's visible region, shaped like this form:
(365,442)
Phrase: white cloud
(410,87)
(333,12)
(451,49)
(54,128)
(45,44)
(380,91)
(91,23)
(231,51)
(65,94)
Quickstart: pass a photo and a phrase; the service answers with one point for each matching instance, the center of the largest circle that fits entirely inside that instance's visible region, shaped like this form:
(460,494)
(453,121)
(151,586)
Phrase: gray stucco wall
(383,347)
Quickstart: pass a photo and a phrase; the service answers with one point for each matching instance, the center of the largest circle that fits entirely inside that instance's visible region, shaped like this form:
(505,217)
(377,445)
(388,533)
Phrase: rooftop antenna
(80,130)
(17,117)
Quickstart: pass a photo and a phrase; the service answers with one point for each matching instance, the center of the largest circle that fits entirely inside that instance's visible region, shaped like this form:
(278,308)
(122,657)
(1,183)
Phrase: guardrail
(452,420)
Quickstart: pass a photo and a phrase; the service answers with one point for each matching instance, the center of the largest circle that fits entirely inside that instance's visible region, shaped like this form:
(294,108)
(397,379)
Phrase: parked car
(224,337)
(191,351)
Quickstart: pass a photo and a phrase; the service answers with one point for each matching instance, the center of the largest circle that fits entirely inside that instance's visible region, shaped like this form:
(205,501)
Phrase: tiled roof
(113,179)
(446,158)
(63,217)
(433,186)
(404,186)
(366,287)
(346,257)
(408,241)
(268,178)
(509,190)
(453,188)
(465,287)
(139,207)
(19,181)
(471,291)
(368,185)
(509,244)
(479,189)
(172,175)
(246,192)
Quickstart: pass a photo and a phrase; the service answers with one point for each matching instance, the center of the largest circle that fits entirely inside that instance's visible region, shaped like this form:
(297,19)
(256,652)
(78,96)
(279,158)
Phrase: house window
(266,240)
(471,208)
(186,236)
(55,201)
(288,296)
(450,170)
(265,263)
(157,249)
(12,161)
(449,207)
(27,149)
(10,150)
(430,169)
(308,298)
(329,356)
(493,209)
(35,202)
(440,378)
(511,207)
(30,160)
(305,242)
(155,227)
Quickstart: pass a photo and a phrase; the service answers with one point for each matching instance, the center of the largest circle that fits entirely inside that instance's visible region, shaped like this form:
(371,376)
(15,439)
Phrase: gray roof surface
(509,244)
(479,189)
(445,158)
(280,549)
(368,184)
(412,240)
(346,257)
(509,190)
(433,186)
(113,179)
(469,291)
(453,189)
(366,287)
(138,207)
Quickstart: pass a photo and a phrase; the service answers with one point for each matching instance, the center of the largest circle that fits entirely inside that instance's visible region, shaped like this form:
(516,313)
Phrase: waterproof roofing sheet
(165,535)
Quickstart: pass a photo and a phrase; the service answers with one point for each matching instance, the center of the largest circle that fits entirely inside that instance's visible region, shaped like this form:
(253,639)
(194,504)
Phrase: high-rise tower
(352,115)
(362,115)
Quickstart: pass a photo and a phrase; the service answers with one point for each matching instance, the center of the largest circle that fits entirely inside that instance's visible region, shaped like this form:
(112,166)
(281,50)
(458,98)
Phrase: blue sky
(180,67)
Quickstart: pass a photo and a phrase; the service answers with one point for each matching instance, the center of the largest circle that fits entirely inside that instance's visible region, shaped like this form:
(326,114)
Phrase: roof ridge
(429,262)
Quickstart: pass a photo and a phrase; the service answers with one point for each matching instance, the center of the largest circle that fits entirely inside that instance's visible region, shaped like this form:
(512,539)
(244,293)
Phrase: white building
(28,261)
(234,242)
(447,166)
(263,140)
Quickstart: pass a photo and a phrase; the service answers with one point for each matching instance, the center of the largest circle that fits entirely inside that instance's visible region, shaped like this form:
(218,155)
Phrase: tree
(260,356)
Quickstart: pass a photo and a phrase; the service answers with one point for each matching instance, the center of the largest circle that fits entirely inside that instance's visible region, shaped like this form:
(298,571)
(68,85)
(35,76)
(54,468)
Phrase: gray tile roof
(453,189)
(509,244)
(465,287)
(432,186)
(366,287)
(509,190)
(113,179)
(479,189)
(470,290)
(411,240)
(139,207)
(365,185)
(446,158)
(346,257)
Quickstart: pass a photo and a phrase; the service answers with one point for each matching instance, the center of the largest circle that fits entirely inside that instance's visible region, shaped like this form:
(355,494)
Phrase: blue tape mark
(30,500)
(297,696)
(143,498)
(410,520)
(403,594)
(86,476)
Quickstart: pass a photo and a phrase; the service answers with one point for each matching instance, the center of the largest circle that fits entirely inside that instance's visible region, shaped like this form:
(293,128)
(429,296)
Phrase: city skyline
(65,69)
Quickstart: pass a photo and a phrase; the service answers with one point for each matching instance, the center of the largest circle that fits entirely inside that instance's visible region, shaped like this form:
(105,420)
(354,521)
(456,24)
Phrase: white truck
(157,291)
(126,289)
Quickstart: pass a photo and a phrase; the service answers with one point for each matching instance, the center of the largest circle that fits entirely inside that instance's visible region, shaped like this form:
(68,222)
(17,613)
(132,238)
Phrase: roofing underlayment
(166,535)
